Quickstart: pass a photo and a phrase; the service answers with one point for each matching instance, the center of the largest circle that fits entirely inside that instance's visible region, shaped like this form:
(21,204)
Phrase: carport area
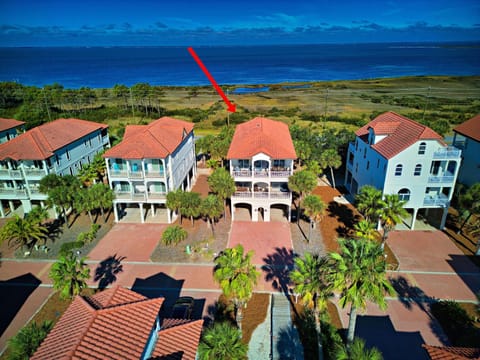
(271,241)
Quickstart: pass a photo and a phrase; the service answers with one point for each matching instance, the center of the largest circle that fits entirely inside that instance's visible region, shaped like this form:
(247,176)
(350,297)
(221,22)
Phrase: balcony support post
(115,212)
(444,217)
(414,218)
(2,212)
(142,218)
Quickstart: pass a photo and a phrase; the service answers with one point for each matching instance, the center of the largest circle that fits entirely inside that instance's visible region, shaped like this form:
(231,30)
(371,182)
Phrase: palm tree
(104,197)
(369,202)
(302,182)
(330,158)
(85,200)
(391,214)
(222,341)
(174,235)
(314,209)
(312,283)
(212,208)
(364,229)
(358,351)
(28,339)
(222,184)
(190,206)
(20,232)
(236,275)
(69,275)
(470,202)
(174,201)
(358,272)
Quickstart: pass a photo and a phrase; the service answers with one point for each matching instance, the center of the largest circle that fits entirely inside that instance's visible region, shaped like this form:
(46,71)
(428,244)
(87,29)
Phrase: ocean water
(100,67)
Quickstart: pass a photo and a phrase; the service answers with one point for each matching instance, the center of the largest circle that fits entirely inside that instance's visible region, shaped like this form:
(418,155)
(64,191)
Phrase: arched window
(398,170)
(421,148)
(418,170)
(404,194)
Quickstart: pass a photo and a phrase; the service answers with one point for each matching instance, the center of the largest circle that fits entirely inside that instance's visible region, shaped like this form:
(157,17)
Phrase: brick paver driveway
(135,242)
(269,240)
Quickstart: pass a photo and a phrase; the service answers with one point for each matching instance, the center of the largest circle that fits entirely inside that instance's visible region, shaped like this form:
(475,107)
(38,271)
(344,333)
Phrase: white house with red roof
(122,324)
(10,128)
(150,161)
(467,138)
(400,156)
(57,147)
(261,158)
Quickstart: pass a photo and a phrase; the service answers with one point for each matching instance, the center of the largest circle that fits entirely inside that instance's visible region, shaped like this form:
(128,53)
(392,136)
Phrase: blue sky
(213,22)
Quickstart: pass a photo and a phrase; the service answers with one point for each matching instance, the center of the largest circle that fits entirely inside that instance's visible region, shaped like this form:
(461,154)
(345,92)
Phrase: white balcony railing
(11,174)
(448,153)
(435,200)
(261,195)
(441,179)
(154,174)
(262,174)
(34,172)
(13,193)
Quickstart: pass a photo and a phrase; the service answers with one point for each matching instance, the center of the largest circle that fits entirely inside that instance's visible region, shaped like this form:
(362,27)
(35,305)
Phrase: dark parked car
(183,308)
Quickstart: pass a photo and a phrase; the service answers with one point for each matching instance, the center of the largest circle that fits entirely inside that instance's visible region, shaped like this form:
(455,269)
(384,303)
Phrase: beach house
(400,156)
(57,147)
(10,128)
(261,158)
(119,323)
(467,138)
(150,161)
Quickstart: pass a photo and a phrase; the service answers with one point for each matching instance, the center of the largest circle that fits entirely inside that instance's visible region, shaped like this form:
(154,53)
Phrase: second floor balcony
(12,194)
(11,174)
(274,172)
(140,196)
(435,200)
(447,153)
(261,195)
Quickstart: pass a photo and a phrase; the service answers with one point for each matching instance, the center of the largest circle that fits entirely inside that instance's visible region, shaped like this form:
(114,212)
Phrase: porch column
(444,217)
(188,181)
(10,203)
(115,212)
(152,208)
(169,216)
(414,217)
(2,213)
(289,213)
(142,219)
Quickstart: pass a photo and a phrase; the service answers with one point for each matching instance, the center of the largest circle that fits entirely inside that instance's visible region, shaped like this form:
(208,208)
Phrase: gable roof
(262,135)
(40,143)
(451,353)
(470,128)
(401,133)
(114,324)
(6,124)
(156,140)
(178,340)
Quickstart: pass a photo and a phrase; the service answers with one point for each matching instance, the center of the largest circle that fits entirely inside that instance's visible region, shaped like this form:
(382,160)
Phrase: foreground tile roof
(6,124)
(178,340)
(156,140)
(39,143)
(114,324)
(470,128)
(262,135)
(451,353)
(401,133)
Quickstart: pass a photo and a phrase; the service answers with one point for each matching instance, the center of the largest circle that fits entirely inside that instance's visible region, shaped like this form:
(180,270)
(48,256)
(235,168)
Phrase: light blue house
(10,128)
(467,138)
(59,147)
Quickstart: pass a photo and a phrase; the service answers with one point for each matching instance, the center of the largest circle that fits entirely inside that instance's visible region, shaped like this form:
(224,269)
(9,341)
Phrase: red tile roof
(6,124)
(262,135)
(114,324)
(470,128)
(39,143)
(401,133)
(451,353)
(156,140)
(178,340)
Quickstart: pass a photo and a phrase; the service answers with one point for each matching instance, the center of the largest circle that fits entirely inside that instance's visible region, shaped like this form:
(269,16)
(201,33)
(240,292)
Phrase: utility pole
(326,107)
(427,100)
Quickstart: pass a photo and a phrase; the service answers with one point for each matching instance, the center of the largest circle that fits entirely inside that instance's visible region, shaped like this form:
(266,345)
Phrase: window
(243,164)
(378,163)
(421,148)
(364,153)
(356,168)
(57,159)
(368,165)
(279,163)
(398,170)
(68,155)
(418,170)
(404,194)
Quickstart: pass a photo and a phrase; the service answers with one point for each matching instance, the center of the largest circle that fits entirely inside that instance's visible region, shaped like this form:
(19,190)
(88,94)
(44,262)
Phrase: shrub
(88,237)
(173,235)
(25,343)
(69,246)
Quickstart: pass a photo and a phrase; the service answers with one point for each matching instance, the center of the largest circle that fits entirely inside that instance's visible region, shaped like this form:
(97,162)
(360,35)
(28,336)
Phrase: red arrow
(230,107)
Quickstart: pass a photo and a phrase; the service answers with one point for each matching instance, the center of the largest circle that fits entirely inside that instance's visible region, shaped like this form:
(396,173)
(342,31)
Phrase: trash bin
(188,250)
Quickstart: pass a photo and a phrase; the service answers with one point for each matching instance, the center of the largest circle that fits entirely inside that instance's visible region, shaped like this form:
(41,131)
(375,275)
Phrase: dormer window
(421,148)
